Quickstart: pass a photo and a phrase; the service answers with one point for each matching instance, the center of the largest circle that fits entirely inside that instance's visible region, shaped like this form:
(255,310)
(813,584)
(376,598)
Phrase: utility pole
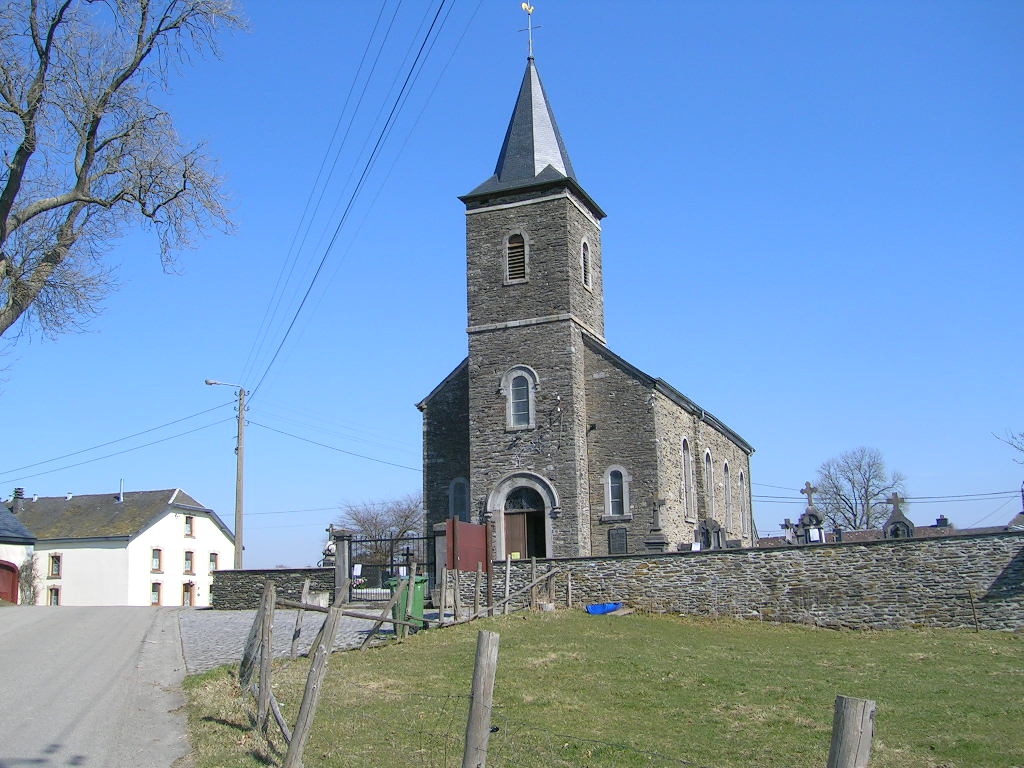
(239,484)
(239,469)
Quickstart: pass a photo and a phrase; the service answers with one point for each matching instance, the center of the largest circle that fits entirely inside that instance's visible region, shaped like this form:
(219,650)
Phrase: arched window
(585,266)
(615,499)
(519,385)
(515,259)
(519,396)
(728,498)
(709,485)
(616,492)
(458,499)
(686,484)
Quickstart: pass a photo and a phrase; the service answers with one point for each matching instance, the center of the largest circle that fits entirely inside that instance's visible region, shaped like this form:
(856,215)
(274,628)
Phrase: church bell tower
(534,291)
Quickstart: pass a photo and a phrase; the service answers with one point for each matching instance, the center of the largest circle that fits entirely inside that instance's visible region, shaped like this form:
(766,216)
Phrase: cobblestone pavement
(211,638)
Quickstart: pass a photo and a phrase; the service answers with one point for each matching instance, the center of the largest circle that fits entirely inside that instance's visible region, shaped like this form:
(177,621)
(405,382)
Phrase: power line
(333,448)
(371,160)
(292,259)
(294,511)
(112,442)
(119,453)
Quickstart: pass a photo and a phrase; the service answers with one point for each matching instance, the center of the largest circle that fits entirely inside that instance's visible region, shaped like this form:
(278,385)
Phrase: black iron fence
(375,561)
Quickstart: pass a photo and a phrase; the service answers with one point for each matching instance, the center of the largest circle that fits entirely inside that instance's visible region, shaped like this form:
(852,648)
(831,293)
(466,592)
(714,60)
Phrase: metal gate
(374,561)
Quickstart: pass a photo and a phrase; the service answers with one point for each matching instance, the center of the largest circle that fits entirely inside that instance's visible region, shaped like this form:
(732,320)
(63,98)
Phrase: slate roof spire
(533,152)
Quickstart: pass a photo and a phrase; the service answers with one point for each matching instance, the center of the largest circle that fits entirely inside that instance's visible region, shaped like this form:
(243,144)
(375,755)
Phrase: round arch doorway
(525,527)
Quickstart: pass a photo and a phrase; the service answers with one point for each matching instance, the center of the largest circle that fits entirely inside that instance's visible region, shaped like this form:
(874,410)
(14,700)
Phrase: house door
(524,524)
(186,595)
(8,582)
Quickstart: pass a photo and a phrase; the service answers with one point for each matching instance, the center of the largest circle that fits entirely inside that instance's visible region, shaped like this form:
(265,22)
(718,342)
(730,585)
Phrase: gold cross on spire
(529,24)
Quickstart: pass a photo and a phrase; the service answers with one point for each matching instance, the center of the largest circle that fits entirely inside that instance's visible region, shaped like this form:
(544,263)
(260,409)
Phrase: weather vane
(529,24)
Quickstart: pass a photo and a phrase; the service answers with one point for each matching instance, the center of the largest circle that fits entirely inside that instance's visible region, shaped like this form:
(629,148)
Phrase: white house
(141,548)
(16,543)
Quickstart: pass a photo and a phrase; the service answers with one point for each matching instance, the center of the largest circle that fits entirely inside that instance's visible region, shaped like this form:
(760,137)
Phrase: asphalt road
(93,687)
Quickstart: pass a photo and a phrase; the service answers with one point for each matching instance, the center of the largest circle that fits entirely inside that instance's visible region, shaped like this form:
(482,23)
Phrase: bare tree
(388,519)
(1015,440)
(28,580)
(852,489)
(86,150)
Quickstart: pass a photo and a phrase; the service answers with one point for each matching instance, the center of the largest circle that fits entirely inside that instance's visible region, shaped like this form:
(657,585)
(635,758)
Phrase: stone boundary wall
(241,590)
(873,585)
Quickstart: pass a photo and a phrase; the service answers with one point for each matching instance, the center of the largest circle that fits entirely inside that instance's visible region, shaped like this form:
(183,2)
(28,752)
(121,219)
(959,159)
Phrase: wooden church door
(524,524)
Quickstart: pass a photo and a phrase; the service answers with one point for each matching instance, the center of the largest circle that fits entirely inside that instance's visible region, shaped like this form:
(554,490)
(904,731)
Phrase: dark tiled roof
(533,153)
(422,404)
(12,531)
(100,515)
(669,391)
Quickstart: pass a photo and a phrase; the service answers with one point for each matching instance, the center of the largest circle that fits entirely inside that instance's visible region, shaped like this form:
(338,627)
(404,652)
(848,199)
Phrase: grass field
(579,690)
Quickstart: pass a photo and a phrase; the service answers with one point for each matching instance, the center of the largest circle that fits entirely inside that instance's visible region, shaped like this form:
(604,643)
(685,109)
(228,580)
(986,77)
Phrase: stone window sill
(616,518)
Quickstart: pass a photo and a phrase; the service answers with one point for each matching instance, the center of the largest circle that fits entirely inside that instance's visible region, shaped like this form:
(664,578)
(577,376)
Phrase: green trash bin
(398,609)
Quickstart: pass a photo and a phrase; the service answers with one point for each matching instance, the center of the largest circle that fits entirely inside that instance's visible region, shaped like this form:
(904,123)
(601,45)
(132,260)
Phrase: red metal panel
(8,582)
(467,545)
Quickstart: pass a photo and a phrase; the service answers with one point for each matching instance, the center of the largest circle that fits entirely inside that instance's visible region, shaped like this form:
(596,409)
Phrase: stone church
(542,430)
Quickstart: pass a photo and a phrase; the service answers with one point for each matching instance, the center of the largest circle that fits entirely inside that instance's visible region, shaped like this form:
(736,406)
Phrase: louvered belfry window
(516,258)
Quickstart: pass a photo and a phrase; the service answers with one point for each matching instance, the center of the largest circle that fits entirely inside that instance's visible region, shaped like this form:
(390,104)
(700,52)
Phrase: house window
(157,564)
(55,565)
(188,562)
(458,499)
(213,562)
(53,596)
(617,541)
(189,525)
(154,593)
(728,498)
(515,259)
(686,485)
(585,268)
(519,385)
(709,484)
(616,493)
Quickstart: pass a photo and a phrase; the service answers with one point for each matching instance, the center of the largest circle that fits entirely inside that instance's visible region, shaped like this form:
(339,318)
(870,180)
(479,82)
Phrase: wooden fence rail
(852,725)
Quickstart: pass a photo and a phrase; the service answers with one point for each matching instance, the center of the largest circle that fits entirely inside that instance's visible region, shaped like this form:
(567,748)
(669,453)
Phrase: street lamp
(239,465)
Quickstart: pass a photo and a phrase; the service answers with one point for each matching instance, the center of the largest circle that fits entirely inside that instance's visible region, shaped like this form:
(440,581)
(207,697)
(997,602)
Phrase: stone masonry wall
(445,443)
(241,590)
(875,585)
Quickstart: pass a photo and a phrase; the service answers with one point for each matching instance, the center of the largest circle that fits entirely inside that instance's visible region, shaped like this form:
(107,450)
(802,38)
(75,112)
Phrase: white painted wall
(168,535)
(93,571)
(15,554)
(119,572)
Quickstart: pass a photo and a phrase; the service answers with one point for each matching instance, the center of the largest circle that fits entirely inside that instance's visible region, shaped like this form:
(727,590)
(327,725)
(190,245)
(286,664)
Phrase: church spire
(533,152)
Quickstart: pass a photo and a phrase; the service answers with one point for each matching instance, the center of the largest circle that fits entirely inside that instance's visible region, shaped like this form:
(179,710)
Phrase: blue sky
(815,231)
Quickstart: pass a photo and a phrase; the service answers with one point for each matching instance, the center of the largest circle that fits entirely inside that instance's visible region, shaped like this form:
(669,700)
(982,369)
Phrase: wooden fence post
(314,683)
(442,611)
(479,586)
(508,580)
(478,726)
(853,726)
(298,618)
(459,608)
(266,656)
(410,597)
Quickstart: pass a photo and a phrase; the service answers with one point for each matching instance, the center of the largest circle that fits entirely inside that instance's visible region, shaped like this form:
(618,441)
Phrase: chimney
(941,522)
(18,500)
